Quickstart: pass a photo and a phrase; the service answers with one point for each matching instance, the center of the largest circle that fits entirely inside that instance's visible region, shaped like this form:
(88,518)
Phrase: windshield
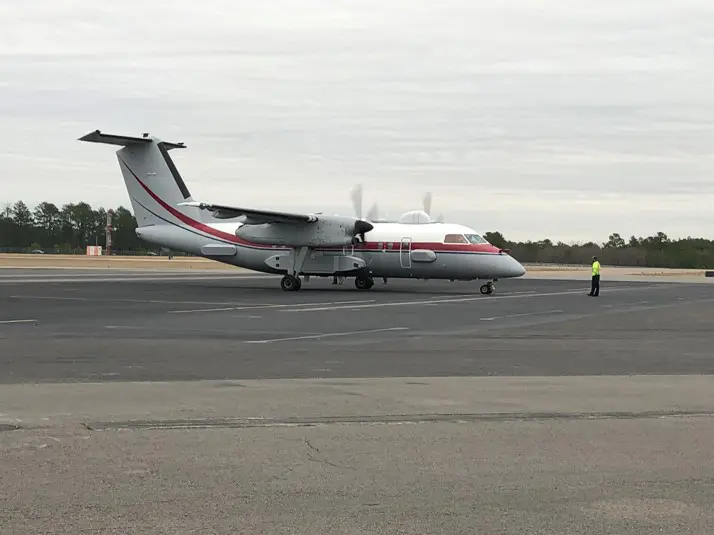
(475,238)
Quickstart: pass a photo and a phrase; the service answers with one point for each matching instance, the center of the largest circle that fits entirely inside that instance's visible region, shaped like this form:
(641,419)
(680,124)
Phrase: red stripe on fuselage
(187,220)
(483,248)
(434,246)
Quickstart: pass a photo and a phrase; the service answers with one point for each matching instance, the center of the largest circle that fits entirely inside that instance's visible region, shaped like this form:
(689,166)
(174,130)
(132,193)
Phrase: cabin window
(475,239)
(380,245)
(455,238)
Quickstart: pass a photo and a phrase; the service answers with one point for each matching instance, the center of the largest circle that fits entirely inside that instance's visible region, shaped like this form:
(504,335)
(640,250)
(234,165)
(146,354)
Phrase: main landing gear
(290,283)
(488,288)
(296,260)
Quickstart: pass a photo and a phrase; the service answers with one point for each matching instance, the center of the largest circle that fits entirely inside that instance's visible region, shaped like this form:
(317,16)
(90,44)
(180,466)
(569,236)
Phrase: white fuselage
(393,250)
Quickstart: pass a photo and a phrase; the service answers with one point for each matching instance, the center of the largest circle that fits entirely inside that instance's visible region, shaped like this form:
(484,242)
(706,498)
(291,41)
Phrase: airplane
(296,244)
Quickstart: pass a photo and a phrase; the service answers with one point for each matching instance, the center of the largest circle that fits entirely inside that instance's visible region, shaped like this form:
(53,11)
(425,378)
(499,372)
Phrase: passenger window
(455,238)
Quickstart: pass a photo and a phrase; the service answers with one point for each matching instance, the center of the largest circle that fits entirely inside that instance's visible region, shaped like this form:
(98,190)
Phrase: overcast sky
(567,120)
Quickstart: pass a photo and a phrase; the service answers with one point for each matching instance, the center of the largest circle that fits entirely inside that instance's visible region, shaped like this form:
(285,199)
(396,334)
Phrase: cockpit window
(475,239)
(455,238)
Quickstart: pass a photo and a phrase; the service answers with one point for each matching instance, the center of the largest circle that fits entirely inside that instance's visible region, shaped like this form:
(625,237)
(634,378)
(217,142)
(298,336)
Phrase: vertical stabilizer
(152,180)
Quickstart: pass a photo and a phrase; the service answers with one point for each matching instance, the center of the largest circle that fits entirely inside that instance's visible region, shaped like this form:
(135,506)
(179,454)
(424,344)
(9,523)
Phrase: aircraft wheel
(487,289)
(363,283)
(290,283)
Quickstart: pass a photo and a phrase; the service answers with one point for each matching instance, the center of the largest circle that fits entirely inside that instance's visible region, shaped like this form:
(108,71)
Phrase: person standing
(595,286)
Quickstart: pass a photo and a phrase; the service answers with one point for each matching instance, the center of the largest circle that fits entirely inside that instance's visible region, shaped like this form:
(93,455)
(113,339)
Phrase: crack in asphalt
(237,423)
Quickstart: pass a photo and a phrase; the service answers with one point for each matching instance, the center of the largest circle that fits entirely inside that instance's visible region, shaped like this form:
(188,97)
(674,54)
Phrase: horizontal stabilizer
(112,139)
(252,216)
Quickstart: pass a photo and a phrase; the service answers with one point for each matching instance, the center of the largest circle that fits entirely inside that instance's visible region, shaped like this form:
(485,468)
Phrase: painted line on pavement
(325,335)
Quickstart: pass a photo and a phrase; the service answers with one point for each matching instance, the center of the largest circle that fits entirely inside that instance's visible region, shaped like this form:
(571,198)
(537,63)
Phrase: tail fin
(154,184)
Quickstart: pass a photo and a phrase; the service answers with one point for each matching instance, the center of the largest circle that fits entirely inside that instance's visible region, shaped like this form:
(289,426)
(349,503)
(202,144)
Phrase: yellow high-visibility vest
(596,268)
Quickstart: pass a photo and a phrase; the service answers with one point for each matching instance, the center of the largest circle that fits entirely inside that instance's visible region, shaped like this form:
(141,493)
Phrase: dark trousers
(595,287)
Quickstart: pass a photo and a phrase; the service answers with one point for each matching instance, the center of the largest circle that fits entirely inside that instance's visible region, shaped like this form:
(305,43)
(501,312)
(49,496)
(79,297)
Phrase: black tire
(290,283)
(362,283)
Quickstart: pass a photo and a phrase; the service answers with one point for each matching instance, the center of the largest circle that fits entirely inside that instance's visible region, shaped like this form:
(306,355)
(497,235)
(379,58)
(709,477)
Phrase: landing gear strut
(291,282)
(364,282)
(488,288)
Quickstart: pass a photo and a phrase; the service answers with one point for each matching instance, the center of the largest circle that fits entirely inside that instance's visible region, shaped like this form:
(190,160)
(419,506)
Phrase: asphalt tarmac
(204,402)
(133,326)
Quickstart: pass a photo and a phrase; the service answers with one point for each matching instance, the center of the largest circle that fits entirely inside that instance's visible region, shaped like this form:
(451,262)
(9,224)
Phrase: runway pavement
(150,402)
(138,327)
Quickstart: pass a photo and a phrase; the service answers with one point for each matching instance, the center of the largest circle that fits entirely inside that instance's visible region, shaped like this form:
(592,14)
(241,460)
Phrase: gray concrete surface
(350,401)
(601,421)
(553,477)
(247,328)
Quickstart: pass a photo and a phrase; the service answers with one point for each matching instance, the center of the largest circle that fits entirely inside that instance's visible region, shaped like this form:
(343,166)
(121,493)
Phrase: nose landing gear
(364,282)
(488,288)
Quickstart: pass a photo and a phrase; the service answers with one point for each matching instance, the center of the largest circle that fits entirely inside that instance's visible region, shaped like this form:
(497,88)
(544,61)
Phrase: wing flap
(251,215)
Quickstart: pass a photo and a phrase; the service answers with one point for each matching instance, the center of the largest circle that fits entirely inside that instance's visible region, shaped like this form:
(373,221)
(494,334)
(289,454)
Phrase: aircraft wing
(252,216)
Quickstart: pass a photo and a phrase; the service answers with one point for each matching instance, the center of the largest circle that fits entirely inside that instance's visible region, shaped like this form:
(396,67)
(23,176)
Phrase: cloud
(524,108)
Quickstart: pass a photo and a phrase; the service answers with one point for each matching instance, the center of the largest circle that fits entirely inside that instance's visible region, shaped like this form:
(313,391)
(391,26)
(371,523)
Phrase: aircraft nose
(514,268)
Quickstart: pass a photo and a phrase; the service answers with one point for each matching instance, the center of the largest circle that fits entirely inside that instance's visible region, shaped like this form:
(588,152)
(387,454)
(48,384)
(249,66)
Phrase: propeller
(357,195)
(426,201)
(361,226)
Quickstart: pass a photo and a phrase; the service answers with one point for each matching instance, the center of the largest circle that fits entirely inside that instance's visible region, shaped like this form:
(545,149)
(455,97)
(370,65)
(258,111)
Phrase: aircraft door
(405,249)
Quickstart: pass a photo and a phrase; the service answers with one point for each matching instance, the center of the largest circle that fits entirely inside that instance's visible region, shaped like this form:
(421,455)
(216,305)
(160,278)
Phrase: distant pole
(109,229)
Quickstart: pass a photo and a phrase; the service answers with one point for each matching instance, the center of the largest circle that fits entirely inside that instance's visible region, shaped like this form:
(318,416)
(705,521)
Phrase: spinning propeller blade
(426,201)
(356,195)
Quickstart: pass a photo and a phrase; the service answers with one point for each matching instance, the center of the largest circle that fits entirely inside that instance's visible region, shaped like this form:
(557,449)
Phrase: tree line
(69,229)
(72,227)
(653,251)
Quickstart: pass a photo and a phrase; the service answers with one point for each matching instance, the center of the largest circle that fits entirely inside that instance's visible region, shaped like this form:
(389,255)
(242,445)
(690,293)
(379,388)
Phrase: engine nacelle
(327,231)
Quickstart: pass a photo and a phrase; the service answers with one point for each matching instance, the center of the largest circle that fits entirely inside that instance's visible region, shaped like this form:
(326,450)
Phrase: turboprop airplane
(295,244)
